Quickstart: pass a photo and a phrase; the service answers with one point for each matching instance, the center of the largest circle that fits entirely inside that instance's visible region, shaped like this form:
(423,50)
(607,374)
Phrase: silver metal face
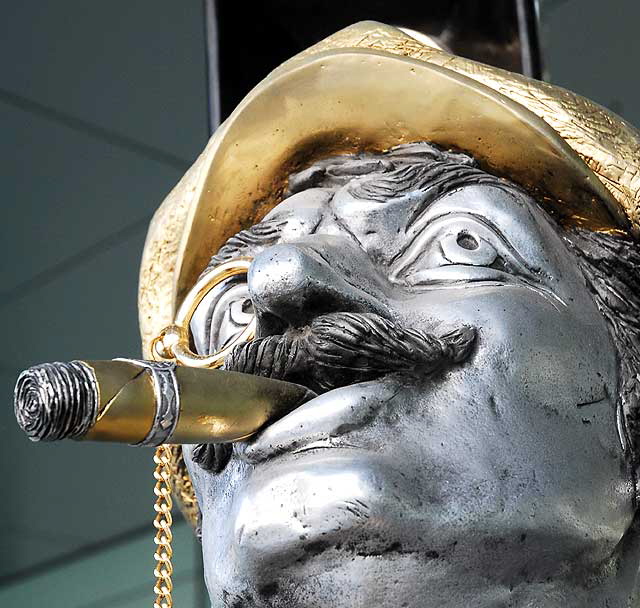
(495,479)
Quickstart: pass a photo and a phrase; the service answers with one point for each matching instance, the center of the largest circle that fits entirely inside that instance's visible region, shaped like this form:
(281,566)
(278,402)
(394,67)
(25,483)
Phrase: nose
(290,284)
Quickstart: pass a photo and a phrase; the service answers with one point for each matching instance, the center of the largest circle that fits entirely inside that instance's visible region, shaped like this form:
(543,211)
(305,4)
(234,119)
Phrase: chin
(302,516)
(300,505)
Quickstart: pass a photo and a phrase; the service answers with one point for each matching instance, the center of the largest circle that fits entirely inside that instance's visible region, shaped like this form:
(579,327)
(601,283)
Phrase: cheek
(503,465)
(543,352)
(531,417)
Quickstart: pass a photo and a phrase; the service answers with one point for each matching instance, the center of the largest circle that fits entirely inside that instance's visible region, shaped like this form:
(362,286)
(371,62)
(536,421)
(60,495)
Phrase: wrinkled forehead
(385,228)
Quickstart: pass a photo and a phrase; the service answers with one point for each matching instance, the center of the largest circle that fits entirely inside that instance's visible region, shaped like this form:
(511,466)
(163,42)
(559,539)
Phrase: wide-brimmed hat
(370,87)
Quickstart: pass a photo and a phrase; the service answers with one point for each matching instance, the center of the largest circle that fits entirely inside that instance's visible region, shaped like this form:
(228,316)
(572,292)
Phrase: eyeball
(241,311)
(465,247)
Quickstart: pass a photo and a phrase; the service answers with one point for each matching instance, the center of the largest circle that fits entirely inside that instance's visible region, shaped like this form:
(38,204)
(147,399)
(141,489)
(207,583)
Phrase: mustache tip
(459,342)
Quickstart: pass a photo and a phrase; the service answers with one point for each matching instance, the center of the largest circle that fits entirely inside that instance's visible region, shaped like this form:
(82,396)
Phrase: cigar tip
(55,401)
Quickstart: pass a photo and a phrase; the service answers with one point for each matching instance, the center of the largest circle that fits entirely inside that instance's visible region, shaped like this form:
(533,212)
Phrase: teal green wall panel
(119,577)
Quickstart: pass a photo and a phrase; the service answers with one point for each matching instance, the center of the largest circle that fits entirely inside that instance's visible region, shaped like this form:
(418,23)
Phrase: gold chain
(173,344)
(162,523)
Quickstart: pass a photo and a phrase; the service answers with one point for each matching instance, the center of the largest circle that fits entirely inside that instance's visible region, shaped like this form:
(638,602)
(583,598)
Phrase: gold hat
(371,87)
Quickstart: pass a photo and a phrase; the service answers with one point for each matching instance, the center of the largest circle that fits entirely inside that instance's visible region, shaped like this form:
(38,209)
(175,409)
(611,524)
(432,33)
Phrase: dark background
(103,106)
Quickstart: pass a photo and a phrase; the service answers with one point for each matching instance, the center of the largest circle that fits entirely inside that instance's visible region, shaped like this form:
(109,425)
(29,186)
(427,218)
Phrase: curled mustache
(344,348)
(336,350)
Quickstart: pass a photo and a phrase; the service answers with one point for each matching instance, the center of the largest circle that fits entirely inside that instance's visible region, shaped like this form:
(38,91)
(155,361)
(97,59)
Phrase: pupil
(466,241)
(247,306)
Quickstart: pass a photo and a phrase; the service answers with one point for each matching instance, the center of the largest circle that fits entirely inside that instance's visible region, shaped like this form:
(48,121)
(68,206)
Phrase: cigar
(146,403)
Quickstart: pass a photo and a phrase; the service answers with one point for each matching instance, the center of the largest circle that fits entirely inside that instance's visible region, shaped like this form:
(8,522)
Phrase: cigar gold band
(173,342)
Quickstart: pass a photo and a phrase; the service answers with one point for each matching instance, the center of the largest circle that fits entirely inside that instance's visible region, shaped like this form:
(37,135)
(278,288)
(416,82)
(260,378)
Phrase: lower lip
(317,448)
(317,423)
(311,460)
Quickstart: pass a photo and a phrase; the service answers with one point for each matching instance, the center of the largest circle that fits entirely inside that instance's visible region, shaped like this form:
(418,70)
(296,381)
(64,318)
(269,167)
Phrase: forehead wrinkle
(341,223)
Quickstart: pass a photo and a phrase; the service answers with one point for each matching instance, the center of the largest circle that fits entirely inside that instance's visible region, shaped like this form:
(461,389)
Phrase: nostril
(268,324)
(291,284)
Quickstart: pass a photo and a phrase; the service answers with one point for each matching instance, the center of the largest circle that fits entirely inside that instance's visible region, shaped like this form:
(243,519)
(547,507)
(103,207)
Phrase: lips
(325,422)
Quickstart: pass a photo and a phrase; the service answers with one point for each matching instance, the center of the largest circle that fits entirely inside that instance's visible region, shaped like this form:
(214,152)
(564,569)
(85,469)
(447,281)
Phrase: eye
(221,316)
(457,247)
(241,311)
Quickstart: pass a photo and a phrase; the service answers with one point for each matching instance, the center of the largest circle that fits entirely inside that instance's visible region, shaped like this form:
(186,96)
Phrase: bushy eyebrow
(263,234)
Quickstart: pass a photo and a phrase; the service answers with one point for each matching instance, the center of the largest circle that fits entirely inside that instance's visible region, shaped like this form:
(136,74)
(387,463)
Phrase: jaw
(347,576)
(333,577)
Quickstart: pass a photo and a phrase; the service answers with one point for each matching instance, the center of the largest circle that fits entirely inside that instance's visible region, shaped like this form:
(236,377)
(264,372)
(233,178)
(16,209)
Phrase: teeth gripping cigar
(147,403)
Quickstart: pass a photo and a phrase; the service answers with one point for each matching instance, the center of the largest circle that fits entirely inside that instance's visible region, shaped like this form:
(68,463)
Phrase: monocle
(173,341)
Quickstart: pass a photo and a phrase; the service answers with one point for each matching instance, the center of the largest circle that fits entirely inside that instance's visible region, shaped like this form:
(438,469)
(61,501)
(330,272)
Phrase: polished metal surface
(468,446)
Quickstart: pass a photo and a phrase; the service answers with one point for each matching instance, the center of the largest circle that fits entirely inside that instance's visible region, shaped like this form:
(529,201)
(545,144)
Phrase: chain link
(162,523)
(168,459)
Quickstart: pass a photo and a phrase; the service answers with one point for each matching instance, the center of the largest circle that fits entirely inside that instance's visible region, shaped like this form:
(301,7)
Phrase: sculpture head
(473,339)
(475,375)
